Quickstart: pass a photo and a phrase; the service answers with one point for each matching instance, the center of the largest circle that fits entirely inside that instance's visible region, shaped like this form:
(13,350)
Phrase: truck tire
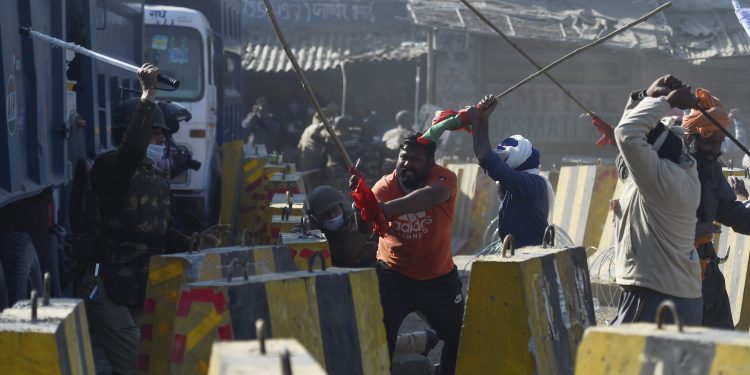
(21,265)
(3,290)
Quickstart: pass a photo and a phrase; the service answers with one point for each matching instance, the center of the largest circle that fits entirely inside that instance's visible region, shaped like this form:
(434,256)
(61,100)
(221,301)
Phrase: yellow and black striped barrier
(526,312)
(582,201)
(607,239)
(168,273)
(335,314)
(54,341)
(645,348)
(476,206)
(247,358)
(305,246)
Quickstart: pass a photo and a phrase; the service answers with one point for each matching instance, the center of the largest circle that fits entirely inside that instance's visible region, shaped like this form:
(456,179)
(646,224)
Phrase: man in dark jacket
(718,203)
(125,220)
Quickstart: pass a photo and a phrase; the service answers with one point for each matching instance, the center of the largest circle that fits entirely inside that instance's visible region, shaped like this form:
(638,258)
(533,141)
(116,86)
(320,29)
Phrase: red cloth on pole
(368,205)
(608,132)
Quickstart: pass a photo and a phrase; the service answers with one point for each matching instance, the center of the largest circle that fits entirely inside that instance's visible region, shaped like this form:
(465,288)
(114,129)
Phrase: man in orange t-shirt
(415,266)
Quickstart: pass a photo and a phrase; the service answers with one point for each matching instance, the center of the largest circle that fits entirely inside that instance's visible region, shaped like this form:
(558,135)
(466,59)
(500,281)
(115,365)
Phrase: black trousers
(717,313)
(439,300)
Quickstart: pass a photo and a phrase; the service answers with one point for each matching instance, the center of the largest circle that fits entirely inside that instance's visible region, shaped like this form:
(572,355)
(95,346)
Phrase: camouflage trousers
(116,329)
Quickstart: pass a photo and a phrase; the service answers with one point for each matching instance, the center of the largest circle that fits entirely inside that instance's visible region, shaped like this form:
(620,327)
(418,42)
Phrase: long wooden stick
(526,56)
(306,85)
(582,49)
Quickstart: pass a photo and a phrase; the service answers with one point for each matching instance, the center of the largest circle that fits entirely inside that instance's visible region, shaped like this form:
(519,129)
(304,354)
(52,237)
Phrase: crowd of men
(674,193)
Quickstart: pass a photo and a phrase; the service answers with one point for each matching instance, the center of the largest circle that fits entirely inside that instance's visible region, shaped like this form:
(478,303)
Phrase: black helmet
(124,112)
(173,114)
(322,199)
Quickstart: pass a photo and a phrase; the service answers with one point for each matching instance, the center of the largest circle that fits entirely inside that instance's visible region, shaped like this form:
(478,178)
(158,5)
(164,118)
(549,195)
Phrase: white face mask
(155,152)
(334,224)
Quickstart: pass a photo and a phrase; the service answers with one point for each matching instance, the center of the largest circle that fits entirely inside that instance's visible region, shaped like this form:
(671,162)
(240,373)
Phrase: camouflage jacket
(349,246)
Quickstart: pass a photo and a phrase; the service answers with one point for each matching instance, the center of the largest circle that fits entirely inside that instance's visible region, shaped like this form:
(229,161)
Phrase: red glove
(368,205)
(608,133)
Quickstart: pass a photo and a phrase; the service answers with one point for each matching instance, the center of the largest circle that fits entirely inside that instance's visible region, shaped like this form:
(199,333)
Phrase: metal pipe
(28,32)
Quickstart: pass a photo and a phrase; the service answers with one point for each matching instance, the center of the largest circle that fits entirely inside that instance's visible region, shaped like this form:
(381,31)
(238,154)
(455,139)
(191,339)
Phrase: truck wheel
(21,266)
(3,290)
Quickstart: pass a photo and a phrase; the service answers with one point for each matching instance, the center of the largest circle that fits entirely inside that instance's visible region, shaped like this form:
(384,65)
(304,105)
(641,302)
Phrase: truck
(199,43)
(56,115)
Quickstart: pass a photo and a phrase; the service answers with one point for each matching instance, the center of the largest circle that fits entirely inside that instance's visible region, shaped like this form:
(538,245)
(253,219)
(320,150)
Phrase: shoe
(432,340)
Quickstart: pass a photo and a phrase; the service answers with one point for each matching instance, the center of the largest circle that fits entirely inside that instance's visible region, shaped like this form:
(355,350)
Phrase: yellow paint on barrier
(730,359)
(599,354)
(601,193)
(607,239)
(29,353)
(167,272)
(584,182)
(372,340)
(293,307)
(203,328)
(481,319)
(264,263)
(538,305)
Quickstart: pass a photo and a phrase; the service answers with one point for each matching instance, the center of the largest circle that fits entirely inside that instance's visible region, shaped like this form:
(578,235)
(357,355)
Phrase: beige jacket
(655,222)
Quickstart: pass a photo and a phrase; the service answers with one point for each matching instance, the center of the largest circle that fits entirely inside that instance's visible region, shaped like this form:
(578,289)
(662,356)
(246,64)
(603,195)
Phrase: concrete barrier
(282,224)
(476,206)
(56,342)
(335,314)
(245,358)
(642,348)
(582,201)
(167,275)
(304,246)
(279,201)
(735,271)
(607,238)
(526,313)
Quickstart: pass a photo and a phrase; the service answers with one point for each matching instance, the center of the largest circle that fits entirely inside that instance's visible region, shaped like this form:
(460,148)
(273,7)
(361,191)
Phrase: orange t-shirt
(418,245)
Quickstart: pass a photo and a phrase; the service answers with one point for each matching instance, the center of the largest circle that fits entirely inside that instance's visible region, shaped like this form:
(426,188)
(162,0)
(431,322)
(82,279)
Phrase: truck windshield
(178,51)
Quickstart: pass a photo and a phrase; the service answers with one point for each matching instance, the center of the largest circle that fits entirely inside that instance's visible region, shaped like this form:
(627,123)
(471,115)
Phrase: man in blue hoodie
(527,197)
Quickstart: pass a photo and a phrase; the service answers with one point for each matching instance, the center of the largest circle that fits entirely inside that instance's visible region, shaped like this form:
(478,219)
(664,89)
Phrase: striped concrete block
(476,206)
(607,239)
(738,172)
(526,313)
(273,185)
(282,224)
(250,207)
(552,175)
(304,246)
(279,201)
(735,271)
(642,348)
(57,342)
(582,201)
(245,358)
(231,162)
(335,314)
(167,275)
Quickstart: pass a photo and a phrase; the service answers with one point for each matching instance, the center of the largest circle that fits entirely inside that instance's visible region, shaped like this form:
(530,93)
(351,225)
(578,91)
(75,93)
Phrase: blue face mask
(155,152)
(334,224)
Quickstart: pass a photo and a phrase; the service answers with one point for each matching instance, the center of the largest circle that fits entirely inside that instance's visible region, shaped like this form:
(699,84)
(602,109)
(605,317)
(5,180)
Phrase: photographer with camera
(178,158)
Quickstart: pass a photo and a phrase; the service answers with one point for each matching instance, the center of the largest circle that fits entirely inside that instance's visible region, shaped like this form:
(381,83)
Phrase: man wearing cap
(526,197)
(718,202)
(655,259)
(125,220)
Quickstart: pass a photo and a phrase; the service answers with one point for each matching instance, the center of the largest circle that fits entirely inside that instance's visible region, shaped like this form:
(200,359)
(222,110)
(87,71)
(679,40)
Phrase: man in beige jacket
(655,256)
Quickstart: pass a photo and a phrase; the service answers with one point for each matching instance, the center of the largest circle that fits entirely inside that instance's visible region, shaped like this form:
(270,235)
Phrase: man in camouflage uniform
(125,220)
